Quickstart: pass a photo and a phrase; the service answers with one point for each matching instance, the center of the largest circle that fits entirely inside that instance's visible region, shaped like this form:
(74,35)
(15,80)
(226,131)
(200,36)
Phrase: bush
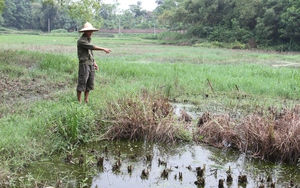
(170,36)
(107,35)
(149,36)
(237,45)
(59,31)
(200,31)
(230,35)
(218,44)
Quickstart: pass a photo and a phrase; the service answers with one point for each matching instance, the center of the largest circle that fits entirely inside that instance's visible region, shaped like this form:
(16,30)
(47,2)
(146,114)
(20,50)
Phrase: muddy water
(180,158)
(185,158)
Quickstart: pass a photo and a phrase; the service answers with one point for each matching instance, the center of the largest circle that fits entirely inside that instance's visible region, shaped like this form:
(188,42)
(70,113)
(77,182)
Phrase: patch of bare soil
(15,91)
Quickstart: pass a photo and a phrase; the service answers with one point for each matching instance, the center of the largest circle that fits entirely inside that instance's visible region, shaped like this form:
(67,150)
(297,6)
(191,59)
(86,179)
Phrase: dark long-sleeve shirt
(85,50)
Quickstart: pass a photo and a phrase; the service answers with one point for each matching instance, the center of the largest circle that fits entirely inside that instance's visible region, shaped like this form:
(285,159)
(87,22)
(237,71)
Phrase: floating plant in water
(129,169)
(165,174)
(180,176)
(200,181)
(221,183)
(160,162)
(229,178)
(242,179)
(100,161)
(200,171)
(117,165)
(145,174)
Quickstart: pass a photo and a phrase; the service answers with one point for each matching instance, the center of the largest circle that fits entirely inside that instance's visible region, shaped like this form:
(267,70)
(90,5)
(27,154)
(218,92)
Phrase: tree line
(68,15)
(267,22)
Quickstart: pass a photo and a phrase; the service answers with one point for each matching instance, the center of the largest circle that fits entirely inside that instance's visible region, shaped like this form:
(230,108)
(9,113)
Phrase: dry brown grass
(272,134)
(217,131)
(4,178)
(147,117)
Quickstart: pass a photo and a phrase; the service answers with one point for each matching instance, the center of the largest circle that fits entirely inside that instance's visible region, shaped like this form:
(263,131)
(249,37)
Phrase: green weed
(74,122)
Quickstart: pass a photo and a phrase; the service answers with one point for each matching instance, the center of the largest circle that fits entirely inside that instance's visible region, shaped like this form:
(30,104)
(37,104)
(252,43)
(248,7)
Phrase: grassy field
(40,115)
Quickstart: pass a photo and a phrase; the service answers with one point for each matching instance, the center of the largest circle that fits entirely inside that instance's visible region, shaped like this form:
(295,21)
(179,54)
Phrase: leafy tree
(82,10)
(135,17)
(23,14)
(85,10)
(2,5)
(246,12)
(196,12)
(36,12)
(166,13)
(159,2)
(8,14)
(56,14)
(267,26)
(165,5)
(128,20)
(290,20)
(17,14)
(137,9)
(63,21)
(108,12)
(48,13)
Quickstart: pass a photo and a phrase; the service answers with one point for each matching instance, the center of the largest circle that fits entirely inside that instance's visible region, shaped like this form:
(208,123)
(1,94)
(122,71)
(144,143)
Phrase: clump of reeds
(271,134)
(217,131)
(142,117)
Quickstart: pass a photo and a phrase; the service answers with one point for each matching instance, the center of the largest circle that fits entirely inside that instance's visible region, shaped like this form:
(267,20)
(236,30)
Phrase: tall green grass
(192,79)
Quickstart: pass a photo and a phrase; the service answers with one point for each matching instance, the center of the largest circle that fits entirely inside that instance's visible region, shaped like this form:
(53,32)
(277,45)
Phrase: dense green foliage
(2,5)
(50,15)
(264,22)
(254,23)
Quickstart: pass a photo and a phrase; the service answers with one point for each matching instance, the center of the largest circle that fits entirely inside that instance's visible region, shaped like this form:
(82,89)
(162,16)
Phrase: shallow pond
(154,159)
(180,158)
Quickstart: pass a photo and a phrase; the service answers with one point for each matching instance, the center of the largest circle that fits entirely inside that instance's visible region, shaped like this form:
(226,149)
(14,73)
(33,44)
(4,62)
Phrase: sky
(124,4)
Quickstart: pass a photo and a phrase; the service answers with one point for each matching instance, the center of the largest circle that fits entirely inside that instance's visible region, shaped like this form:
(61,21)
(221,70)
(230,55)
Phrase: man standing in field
(87,63)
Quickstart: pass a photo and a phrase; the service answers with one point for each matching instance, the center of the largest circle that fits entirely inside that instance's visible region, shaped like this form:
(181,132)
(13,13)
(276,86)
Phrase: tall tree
(290,20)
(128,20)
(8,14)
(268,22)
(246,12)
(63,21)
(17,14)
(85,10)
(109,14)
(49,11)
(23,14)
(81,10)
(36,15)
(166,13)
(2,6)
(137,9)
(164,5)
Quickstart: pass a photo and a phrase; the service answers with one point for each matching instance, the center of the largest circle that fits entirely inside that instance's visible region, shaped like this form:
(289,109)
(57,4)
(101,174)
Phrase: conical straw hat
(88,27)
